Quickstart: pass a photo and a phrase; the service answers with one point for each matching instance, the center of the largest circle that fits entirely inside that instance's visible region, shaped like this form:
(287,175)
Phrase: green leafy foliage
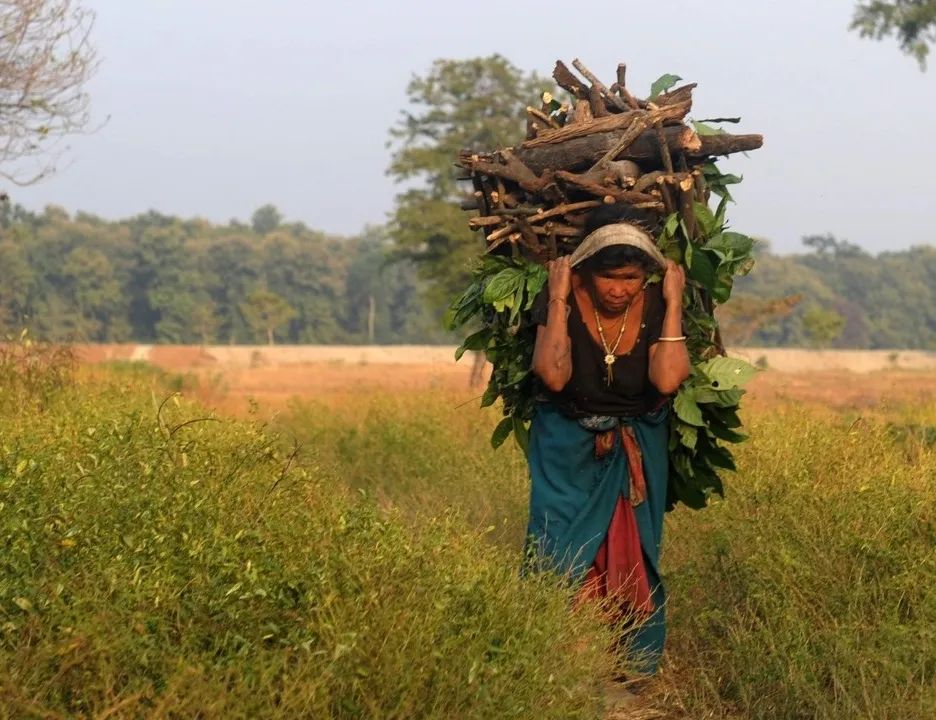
(475,104)
(156,278)
(500,298)
(913,22)
(705,408)
(160,562)
(887,300)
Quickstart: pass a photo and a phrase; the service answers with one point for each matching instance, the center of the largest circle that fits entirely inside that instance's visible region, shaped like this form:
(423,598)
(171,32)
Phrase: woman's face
(615,289)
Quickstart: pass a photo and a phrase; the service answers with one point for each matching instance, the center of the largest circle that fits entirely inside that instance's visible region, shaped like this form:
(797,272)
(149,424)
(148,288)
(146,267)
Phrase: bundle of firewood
(605,146)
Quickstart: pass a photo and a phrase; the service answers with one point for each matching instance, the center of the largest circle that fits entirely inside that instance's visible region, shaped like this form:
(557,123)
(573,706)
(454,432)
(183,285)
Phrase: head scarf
(617,234)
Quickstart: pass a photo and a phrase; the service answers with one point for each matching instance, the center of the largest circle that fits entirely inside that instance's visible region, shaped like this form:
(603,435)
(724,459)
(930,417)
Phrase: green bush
(159,563)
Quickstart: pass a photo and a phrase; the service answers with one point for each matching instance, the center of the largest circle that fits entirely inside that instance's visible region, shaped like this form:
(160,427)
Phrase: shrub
(159,562)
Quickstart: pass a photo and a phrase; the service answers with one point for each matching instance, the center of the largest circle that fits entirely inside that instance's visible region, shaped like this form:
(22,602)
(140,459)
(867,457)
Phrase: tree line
(162,279)
(842,296)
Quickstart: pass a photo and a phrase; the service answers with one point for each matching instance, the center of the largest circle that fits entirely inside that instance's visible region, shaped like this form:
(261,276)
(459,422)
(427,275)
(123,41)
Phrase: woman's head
(617,273)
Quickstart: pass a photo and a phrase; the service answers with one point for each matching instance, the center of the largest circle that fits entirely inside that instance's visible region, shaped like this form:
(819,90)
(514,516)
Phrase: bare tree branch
(46,58)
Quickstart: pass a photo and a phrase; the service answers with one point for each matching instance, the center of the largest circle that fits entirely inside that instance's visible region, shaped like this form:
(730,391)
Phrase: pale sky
(218,106)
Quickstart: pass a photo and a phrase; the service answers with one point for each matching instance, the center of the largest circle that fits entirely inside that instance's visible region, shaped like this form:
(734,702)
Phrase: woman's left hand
(674,283)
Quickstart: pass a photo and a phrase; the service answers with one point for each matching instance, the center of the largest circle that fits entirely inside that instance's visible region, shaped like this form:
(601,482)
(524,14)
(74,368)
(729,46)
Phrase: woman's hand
(674,283)
(560,278)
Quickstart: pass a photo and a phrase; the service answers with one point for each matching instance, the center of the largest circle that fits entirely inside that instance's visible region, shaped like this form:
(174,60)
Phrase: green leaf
(703,129)
(521,431)
(703,269)
(490,394)
(501,432)
(723,433)
(688,434)
(684,485)
(502,288)
(460,311)
(672,222)
(729,398)
(662,84)
(721,291)
(730,244)
(705,218)
(476,341)
(534,284)
(720,457)
(726,416)
(705,395)
(721,210)
(724,373)
(687,409)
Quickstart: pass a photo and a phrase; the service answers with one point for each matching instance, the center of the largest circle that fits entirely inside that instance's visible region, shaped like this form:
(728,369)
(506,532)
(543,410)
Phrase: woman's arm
(669,361)
(552,354)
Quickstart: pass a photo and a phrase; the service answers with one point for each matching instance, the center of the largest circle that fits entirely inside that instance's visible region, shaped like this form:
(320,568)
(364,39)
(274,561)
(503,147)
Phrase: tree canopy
(912,22)
(155,278)
(475,104)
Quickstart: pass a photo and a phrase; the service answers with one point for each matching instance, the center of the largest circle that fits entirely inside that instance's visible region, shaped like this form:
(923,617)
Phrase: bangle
(678,338)
(556,299)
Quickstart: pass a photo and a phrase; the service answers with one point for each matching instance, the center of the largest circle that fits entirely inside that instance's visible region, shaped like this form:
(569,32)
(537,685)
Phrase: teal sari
(573,496)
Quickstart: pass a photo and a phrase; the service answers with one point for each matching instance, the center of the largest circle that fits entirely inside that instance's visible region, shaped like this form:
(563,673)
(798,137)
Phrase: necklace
(610,357)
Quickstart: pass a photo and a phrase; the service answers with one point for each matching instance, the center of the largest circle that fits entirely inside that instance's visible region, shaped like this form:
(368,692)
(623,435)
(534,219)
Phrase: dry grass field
(231,379)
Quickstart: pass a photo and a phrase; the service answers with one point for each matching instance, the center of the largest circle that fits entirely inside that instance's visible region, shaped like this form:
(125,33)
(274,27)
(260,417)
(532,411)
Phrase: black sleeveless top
(587,392)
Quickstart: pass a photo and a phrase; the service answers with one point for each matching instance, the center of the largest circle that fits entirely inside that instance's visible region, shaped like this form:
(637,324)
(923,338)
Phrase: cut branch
(567,80)
(674,114)
(596,84)
(724,144)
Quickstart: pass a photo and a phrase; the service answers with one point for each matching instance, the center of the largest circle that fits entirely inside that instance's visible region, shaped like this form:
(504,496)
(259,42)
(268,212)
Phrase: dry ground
(231,379)
(233,390)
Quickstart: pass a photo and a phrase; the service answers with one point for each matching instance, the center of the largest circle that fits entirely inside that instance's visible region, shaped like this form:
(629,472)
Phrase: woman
(609,351)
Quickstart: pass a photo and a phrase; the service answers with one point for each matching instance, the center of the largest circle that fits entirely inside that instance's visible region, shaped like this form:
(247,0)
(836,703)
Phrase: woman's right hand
(560,278)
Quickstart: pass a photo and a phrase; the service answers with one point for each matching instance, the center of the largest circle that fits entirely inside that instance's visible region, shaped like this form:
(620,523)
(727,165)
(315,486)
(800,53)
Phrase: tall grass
(157,562)
(809,592)
(423,453)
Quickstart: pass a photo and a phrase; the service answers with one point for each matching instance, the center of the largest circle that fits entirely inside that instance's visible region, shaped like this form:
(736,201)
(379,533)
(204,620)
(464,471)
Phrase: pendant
(609,359)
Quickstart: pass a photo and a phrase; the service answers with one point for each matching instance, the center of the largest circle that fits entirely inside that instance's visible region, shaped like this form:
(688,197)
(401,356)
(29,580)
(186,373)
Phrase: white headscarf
(617,234)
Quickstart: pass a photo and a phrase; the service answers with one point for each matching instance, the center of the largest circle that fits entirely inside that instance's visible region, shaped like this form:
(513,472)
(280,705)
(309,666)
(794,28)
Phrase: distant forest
(161,279)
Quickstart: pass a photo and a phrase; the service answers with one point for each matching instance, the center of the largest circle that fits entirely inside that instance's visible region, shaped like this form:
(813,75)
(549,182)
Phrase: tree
(822,325)
(475,104)
(829,245)
(265,311)
(266,219)
(16,288)
(740,319)
(46,58)
(204,320)
(912,21)
(92,291)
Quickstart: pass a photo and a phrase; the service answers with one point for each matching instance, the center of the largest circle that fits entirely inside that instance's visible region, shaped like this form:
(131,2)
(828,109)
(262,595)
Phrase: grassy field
(160,565)
(809,592)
